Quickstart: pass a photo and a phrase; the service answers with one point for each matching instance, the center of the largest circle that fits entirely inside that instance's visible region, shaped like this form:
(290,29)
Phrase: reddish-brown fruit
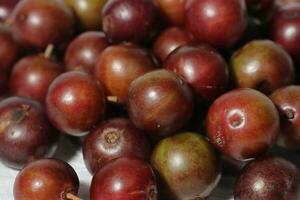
(25,134)
(112,139)
(129,20)
(124,178)
(6,8)
(38,23)
(32,76)
(83,51)
(262,65)
(160,103)
(75,103)
(46,179)
(202,67)
(219,23)
(169,40)
(287,100)
(286,2)
(173,10)
(268,178)
(243,124)
(118,66)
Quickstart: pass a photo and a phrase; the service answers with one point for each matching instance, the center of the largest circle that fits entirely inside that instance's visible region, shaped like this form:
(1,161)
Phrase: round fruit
(219,23)
(46,179)
(243,123)
(118,66)
(160,103)
(129,20)
(173,10)
(25,134)
(32,76)
(287,100)
(40,23)
(262,65)
(268,178)
(124,178)
(187,164)
(6,8)
(202,67)
(88,12)
(75,103)
(83,51)
(286,28)
(169,40)
(113,139)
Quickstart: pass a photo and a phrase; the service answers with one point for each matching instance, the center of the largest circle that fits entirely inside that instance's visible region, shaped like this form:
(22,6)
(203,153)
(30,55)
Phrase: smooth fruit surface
(75,103)
(243,123)
(6,8)
(112,139)
(124,178)
(173,10)
(187,164)
(160,102)
(25,133)
(46,179)
(262,65)
(268,178)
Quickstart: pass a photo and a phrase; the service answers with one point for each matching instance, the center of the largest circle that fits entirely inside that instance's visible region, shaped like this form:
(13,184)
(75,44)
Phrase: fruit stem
(71,196)
(113,99)
(48,51)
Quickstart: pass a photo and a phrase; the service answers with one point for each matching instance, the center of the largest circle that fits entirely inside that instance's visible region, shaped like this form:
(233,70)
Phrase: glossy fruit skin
(87,11)
(243,124)
(287,100)
(32,75)
(9,49)
(135,25)
(83,52)
(202,67)
(133,177)
(132,62)
(160,103)
(46,179)
(262,65)
(25,133)
(286,28)
(187,164)
(75,103)
(268,178)
(6,8)
(286,2)
(37,24)
(173,10)
(112,139)
(218,23)
(169,40)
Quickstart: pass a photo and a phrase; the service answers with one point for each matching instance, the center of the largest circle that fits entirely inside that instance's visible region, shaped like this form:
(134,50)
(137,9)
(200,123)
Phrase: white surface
(71,153)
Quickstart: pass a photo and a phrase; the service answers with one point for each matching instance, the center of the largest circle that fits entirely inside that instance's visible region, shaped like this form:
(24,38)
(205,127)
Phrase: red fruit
(173,10)
(286,28)
(202,67)
(169,40)
(9,49)
(6,8)
(25,134)
(160,103)
(75,103)
(287,100)
(32,76)
(262,65)
(46,179)
(124,178)
(129,20)
(118,66)
(243,124)
(216,22)
(286,2)
(40,23)
(83,51)
(113,139)
(268,178)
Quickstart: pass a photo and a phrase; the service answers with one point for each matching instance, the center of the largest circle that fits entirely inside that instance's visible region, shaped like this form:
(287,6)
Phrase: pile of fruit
(166,95)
